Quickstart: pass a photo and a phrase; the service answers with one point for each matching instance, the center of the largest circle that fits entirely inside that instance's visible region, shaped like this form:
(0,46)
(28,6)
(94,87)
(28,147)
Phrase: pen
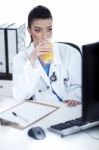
(16,115)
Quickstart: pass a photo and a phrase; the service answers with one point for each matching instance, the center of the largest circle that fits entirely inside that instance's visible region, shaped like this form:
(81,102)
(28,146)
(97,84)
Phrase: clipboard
(25,114)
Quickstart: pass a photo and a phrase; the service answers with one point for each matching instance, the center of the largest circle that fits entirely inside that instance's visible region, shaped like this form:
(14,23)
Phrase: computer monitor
(90,82)
(90,94)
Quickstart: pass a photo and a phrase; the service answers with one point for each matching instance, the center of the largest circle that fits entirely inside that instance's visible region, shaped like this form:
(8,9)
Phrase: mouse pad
(25,114)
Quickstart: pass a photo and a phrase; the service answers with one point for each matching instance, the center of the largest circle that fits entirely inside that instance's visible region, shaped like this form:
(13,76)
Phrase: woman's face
(41,29)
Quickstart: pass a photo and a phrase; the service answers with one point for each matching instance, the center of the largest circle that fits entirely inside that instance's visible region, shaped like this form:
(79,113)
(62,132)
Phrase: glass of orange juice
(48,58)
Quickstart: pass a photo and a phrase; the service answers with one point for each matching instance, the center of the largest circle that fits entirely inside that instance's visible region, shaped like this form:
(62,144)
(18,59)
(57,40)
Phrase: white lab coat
(32,81)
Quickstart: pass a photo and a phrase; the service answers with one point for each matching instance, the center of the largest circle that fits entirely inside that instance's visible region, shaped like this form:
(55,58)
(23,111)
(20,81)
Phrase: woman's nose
(44,35)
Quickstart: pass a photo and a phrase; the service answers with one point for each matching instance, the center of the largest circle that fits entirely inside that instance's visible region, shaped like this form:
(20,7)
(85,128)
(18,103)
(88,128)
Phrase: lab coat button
(47,87)
(39,91)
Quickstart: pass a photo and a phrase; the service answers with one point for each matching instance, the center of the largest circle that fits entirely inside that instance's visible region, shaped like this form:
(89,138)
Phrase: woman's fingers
(41,48)
(72,103)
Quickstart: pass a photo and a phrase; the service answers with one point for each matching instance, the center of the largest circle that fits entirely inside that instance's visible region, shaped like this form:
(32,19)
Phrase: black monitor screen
(90,82)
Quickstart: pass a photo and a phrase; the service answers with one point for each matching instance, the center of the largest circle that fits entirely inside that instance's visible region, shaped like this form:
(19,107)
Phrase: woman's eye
(50,29)
(37,30)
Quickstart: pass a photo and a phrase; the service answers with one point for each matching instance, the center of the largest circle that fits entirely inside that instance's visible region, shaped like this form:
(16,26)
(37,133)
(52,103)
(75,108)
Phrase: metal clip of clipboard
(4,122)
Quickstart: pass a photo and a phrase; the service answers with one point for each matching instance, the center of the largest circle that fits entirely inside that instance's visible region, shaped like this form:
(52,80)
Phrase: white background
(75,21)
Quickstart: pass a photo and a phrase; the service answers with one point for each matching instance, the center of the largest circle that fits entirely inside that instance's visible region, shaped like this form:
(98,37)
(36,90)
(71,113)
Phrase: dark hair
(39,12)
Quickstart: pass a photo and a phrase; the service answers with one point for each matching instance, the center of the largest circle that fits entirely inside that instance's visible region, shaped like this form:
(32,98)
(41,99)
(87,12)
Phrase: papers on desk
(26,113)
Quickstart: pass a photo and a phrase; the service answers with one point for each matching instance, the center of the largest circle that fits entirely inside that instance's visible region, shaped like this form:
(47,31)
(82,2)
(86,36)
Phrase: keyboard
(72,126)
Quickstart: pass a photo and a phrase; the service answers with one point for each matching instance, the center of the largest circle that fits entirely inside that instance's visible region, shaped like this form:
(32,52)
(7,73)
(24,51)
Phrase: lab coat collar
(54,67)
(57,60)
(43,73)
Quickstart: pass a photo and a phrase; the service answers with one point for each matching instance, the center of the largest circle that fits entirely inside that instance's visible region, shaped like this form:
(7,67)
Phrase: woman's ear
(29,30)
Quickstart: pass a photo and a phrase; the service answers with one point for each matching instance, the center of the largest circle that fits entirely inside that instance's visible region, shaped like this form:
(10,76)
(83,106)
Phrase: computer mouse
(37,133)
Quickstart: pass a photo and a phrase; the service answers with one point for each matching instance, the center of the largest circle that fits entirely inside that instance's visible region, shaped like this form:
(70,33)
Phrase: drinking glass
(48,57)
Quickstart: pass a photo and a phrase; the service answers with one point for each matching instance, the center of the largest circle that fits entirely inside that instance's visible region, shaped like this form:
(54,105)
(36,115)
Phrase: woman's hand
(41,48)
(72,103)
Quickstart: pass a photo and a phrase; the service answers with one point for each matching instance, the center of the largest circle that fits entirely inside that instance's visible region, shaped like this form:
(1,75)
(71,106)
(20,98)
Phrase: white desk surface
(15,139)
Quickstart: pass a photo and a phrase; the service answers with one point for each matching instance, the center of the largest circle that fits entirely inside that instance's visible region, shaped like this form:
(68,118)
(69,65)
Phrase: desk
(15,139)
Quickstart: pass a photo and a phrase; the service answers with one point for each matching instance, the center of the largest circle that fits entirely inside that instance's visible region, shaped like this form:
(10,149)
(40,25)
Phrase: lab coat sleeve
(75,76)
(25,78)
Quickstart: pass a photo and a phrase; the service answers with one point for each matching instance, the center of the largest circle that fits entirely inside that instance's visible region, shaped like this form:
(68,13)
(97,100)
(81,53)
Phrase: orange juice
(48,58)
